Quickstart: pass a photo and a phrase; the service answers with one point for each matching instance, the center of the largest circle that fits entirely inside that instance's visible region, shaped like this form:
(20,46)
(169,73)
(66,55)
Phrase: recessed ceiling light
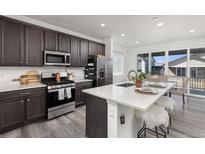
(136,41)
(102,24)
(160,24)
(192,31)
(122,34)
(155,19)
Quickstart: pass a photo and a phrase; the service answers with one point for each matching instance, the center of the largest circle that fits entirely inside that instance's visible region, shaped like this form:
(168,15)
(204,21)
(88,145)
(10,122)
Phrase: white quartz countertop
(128,96)
(82,80)
(12,86)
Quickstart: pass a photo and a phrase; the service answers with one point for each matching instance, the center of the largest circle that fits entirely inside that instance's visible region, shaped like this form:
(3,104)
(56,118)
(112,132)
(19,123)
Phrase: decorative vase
(138,83)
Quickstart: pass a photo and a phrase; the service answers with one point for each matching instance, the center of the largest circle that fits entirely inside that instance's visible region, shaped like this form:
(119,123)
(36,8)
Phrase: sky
(161,59)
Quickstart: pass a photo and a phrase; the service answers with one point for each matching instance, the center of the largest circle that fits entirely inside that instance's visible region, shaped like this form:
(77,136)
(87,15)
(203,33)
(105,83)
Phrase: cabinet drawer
(83,84)
(21,93)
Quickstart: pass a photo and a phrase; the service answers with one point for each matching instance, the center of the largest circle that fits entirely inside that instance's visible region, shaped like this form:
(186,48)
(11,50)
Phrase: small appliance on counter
(60,94)
(28,78)
(99,69)
(70,75)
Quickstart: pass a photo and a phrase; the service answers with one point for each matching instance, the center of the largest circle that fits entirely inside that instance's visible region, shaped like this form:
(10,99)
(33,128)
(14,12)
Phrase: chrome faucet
(129,74)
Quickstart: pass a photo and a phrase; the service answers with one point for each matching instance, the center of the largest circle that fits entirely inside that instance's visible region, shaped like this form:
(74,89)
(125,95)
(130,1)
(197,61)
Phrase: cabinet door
(13,44)
(12,113)
(84,47)
(96,117)
(34,46)
(93,48)
(1,42)
(79,98)
(51,40)
(75,56)
(64,43)
(101,49)
(36,106)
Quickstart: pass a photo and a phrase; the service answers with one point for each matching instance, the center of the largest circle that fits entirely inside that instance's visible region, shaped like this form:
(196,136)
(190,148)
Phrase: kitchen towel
(61,94)
(68,92)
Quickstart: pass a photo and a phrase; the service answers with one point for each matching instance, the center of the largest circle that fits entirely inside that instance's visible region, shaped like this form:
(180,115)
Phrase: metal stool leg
(183,99)
(165,135)
(156,132)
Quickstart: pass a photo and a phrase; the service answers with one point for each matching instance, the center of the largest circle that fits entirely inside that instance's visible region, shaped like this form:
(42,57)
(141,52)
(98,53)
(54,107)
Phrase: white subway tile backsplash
(10,73)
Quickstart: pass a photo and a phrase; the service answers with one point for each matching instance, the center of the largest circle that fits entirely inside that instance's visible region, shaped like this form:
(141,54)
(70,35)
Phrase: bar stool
(168,104)
(155,117)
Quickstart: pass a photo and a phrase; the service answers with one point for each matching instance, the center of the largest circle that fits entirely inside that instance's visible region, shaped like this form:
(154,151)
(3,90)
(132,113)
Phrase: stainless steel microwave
(54,58)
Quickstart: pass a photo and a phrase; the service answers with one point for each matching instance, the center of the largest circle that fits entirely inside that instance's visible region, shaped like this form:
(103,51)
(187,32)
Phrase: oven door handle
(55,90)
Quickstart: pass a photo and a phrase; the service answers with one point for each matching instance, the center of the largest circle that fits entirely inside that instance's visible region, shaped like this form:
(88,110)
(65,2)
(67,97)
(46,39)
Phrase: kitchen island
(110,109)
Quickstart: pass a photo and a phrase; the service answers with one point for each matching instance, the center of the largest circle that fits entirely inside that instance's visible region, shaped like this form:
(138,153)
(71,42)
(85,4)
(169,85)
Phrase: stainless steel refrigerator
(99,69)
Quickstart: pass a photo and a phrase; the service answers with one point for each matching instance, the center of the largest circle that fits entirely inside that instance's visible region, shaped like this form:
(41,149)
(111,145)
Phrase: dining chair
(180,87)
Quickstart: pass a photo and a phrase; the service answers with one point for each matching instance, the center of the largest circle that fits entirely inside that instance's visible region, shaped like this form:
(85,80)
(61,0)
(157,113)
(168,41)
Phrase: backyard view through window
(178,68)
(158,63)
(197,71)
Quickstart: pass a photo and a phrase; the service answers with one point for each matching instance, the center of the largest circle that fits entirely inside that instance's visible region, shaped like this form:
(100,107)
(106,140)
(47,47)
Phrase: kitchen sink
(125,85)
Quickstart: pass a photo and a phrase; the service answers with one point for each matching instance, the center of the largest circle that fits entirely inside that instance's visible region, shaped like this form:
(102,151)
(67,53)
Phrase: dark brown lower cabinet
(12,113)
(36,106)
(20,107)
(96,117)
(79,95)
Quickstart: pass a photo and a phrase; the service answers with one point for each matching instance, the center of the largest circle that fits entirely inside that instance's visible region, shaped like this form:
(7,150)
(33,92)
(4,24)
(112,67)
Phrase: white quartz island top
(11,86)
(127,95)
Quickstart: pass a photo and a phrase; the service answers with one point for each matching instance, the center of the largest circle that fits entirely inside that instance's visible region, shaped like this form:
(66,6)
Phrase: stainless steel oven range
(60,95)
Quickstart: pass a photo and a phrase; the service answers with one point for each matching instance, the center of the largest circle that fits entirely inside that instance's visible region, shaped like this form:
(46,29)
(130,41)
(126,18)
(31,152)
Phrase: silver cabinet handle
(22,101)
(25,93)
(28,100)
(21,62)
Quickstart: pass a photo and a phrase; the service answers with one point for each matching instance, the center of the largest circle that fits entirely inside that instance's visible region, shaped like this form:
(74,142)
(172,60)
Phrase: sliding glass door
(177,66)
(197,71)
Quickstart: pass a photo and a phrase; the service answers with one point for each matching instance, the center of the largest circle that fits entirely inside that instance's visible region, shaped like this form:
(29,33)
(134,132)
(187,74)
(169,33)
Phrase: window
(158,63)
(181,71)
(193,72)
(118,63)
(177,63)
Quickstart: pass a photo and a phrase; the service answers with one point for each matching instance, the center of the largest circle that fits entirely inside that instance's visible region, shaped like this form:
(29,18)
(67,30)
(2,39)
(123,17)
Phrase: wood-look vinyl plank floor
(187,121)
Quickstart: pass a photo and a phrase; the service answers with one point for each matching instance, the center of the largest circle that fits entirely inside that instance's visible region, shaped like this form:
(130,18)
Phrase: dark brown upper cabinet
(34,46)
(84,49)
(93,48)
(1,42)
(75,51)
(51,40)
(101,49)
(13,43)
(64,43)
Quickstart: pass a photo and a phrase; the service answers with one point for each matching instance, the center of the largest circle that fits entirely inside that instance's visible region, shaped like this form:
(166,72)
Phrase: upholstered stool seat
(168,104)
(155,117)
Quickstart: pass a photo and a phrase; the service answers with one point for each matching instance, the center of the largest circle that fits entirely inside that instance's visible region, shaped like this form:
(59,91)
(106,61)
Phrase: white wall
(108,47)
(183,44)
(123,77)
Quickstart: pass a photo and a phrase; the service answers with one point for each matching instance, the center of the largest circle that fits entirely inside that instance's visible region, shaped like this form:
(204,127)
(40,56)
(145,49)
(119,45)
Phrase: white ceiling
(135,27)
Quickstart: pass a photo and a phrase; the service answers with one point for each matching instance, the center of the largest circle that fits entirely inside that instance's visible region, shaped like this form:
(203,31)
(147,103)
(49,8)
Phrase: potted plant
(139,79)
